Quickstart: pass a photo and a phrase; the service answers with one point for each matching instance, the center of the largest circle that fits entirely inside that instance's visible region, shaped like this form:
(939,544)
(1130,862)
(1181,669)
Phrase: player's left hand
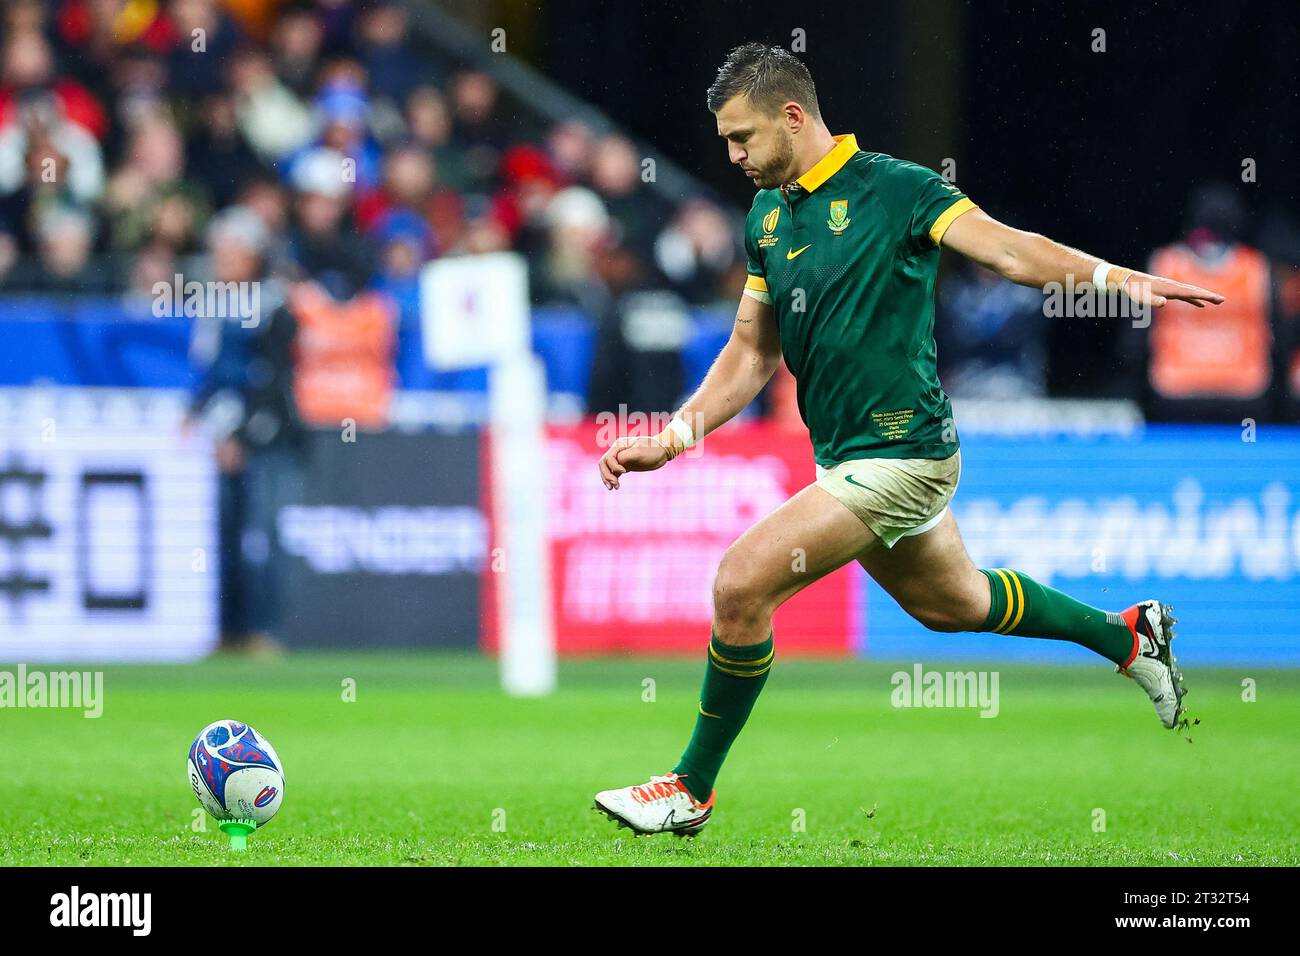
(631,453)
(1146,289)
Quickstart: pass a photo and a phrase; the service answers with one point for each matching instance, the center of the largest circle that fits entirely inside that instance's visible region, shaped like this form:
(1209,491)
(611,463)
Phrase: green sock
(732,681)
(1023,607)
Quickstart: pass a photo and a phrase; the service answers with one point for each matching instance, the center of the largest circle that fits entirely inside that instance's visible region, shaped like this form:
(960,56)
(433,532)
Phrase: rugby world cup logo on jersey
(839,220)
(769,227)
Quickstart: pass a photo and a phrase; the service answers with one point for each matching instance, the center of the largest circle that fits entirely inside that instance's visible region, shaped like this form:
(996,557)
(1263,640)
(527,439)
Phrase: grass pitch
(432,765)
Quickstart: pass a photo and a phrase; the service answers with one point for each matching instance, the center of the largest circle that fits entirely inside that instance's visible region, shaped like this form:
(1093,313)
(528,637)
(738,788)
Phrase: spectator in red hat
(528,183)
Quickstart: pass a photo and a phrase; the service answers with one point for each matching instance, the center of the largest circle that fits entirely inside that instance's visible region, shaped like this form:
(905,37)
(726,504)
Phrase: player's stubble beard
(781,169)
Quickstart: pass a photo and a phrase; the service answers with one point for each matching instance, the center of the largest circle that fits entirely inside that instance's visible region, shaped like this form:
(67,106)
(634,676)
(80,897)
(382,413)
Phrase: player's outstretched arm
(737,375)
(1030,259)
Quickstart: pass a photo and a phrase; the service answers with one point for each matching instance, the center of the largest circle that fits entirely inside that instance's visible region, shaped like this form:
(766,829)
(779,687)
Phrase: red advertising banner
(632,570)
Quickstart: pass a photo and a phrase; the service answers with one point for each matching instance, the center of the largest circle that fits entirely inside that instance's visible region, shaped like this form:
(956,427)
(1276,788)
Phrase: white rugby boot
(661,805)
(1152,663)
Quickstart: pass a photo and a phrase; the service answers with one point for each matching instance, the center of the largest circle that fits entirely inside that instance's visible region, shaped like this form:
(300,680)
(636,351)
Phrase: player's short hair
(769,76)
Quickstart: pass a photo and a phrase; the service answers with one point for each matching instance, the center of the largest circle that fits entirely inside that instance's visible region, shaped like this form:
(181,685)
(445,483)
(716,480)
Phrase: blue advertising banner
(1205,518)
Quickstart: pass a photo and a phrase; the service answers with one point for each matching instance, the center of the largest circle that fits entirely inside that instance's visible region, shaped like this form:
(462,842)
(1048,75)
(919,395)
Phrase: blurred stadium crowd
(326,151)
(142,139)
(130,153)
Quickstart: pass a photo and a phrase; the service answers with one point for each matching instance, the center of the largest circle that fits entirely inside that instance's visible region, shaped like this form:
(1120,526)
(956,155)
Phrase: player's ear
(794,116)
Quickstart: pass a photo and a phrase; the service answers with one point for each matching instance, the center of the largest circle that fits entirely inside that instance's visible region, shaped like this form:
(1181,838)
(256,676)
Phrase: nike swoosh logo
(797,252)
(706,713)
(849,479)
(1153,650)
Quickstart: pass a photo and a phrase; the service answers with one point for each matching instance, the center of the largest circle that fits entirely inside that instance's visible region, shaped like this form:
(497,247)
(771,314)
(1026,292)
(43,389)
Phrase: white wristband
(1100,274)
(680,428)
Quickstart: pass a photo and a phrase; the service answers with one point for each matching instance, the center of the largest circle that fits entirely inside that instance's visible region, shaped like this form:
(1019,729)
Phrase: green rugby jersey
(847,256)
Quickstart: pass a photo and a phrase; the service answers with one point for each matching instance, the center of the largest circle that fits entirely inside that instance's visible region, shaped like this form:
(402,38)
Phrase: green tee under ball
(238,831)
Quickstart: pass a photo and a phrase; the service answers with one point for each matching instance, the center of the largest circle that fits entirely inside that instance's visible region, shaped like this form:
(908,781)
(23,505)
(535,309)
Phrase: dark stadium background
(1097,150)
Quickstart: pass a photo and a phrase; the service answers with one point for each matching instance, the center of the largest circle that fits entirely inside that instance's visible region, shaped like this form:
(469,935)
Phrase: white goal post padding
(474,311)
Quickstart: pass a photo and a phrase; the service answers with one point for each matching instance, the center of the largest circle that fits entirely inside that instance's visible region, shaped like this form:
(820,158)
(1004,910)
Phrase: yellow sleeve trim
(947,217)
(757,283)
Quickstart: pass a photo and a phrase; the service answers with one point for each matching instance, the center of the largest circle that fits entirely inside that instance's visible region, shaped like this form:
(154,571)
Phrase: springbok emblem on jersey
(839,220)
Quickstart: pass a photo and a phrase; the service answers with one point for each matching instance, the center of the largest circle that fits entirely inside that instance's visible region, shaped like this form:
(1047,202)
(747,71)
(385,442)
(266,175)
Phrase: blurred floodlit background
(227,413)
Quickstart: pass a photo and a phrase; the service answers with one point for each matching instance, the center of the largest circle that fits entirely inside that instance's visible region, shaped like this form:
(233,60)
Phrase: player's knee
(949,610)
(738,597)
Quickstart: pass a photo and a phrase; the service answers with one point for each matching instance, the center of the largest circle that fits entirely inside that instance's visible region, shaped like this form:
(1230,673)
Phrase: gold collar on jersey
(846,145)
(830,164)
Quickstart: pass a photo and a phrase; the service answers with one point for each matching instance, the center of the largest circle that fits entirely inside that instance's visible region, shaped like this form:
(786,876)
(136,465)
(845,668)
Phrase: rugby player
(843,248)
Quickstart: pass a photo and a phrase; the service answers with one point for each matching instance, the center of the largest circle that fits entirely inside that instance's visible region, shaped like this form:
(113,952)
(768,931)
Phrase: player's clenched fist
(646,452)
(640,453)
